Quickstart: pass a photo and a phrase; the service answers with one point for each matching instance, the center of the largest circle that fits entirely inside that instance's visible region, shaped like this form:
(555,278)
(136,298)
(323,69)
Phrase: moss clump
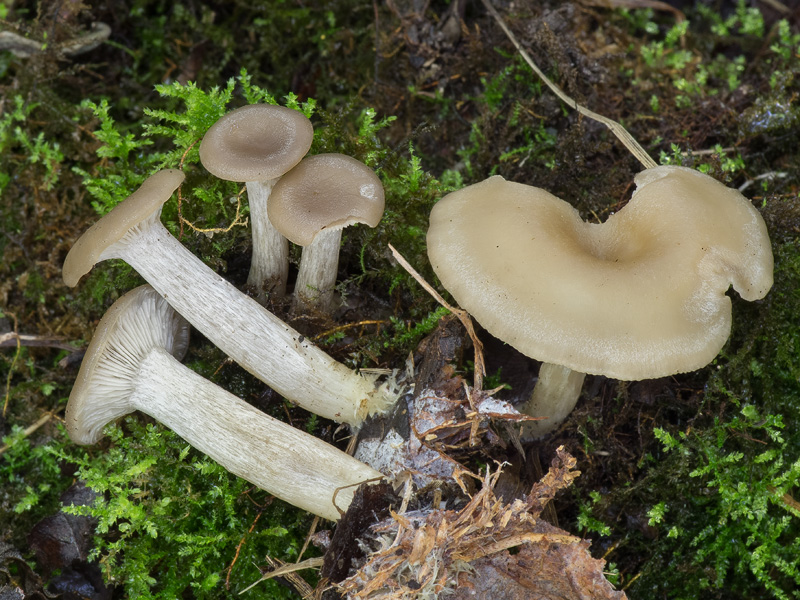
(172,522)
(31,480)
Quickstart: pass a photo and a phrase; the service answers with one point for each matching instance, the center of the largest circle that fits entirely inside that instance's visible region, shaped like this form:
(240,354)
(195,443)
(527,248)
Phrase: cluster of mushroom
(132,363)
(306,201)
(640,296)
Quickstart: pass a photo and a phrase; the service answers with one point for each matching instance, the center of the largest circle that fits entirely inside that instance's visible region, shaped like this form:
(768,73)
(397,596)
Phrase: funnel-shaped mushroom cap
(137,207)
(325,191)
(256,143)
(639,296)
(134,325)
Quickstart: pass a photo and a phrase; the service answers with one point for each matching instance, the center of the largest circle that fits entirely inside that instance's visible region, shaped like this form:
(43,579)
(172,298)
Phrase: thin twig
(462,315)
(351,485)
(13,362)
(32,428)
(788,501)
(11,339)
(237,220)
(325,334)
(238,549)
(618,130)
(311,531)
(630,581)
(286,569)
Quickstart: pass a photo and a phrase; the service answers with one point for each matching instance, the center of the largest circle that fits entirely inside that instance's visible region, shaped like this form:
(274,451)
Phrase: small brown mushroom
(311,205)
(133,364)
(257,144)
(637,297)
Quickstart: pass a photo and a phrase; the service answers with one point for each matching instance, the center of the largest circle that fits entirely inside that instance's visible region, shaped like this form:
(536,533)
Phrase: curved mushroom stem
(555,395)
(278,458)
(319,265)
(269,267)
(247,332)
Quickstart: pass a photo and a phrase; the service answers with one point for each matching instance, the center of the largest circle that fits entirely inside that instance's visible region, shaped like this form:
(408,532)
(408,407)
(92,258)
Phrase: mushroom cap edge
(93,403)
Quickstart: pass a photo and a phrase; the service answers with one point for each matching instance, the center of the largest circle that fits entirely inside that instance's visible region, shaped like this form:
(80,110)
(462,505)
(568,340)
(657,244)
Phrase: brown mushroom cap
(137,207)
(639,296)
(325,191)
(134,325)
(256,143)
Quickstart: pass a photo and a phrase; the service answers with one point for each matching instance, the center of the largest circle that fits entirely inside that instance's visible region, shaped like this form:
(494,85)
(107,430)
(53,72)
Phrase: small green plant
(788,45)
(29,474)
(501,106)
(656,514)
(17,135)
(755,524)
(675,52)
(745,20)
(586,521)
(492,381)
(407,335)
(172,137)
(368,129)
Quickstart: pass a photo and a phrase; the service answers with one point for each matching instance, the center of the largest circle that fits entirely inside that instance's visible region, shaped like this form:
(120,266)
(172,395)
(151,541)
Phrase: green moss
(31,480)
(170,520)
(724,486)
(764,369)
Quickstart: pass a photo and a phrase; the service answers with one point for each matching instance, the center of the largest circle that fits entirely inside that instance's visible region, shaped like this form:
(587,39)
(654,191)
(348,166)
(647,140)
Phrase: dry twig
(462,315)
(237,219)
(618,130)
(32,428)
(13,362)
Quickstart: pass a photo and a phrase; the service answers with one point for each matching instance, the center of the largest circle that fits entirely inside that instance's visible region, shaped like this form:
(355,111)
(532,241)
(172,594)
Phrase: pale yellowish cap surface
(639,296)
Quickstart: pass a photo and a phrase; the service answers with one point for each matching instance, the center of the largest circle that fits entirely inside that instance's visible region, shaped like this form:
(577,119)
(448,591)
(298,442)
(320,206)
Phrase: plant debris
(428,552)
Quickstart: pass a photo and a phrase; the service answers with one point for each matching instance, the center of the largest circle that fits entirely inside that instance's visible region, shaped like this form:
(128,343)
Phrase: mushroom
(311,204)
(133,364)
(247,332)
(257,144)
(640,296)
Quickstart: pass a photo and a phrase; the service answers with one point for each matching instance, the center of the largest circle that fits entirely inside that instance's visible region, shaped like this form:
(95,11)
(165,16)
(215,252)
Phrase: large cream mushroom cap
(256,143)
(325,191)
(639,296)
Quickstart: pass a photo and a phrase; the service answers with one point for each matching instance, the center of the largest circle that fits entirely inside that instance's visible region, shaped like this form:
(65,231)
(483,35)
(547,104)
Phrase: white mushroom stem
(555,395)
(243,329)
(269,267)
(278,458)
(319,264)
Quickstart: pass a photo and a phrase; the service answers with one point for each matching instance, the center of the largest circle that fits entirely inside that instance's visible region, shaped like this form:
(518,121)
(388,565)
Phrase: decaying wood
(440,422)
(432,552)
(457,535)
